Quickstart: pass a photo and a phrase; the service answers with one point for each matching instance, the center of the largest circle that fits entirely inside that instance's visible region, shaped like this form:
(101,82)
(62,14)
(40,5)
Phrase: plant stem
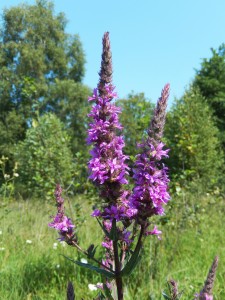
(119,282)
(86,253)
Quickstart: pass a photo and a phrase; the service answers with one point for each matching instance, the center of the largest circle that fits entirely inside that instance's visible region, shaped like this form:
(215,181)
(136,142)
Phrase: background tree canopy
(37,60)
(41,72)
(192,136)
(211,81)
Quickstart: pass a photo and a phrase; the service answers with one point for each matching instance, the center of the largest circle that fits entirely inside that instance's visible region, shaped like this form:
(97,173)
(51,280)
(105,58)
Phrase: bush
(191,135)
(44,158)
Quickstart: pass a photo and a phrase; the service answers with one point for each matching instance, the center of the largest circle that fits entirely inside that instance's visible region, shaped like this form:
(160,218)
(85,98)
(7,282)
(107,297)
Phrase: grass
(32,267)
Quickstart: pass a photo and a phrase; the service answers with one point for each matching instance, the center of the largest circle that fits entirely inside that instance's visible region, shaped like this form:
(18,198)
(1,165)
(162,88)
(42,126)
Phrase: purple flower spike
(108,161)
(107,167)
(61,222)
(150,175)
(206,292)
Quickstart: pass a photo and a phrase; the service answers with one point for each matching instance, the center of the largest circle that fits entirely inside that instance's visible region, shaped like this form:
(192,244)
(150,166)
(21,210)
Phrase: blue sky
(153,42)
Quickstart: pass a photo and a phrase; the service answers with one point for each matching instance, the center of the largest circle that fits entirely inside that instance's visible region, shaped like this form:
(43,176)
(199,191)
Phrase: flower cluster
(151,181)
(149,173)
(107,166)
(108,161)
(61,222)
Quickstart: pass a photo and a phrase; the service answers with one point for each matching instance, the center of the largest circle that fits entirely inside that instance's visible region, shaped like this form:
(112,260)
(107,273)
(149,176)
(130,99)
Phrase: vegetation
(211,81)
(43,125)
(35,268)
(44,158)
(37,59)
(191,134)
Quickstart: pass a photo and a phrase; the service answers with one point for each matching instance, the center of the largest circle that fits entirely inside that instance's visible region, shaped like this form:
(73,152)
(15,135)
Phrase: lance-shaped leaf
(103,228)
(107,292)
(92,268)
(133,261)
(91,251)
(112,235)
(166,296)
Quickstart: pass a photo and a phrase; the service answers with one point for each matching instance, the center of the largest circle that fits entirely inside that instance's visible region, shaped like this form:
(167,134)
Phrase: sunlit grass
(32,266)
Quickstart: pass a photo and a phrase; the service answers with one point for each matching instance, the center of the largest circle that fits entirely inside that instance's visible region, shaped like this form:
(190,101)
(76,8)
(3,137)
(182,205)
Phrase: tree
(69,101)
(192,136)
(210,79)
(37,57)
(135,116)
(44,158)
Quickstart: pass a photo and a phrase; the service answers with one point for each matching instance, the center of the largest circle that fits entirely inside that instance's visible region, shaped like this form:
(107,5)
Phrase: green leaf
(107,292)
(92,268)
(103,228)
(165,296)
(133,261)
(101,296)
(91,251)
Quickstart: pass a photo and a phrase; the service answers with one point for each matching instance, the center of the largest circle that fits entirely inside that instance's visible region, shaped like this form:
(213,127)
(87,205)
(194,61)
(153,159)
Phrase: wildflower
(206,292)
(2,248)
(155,231)
(107,167)
(84,261)
(70,291)
(100,285)
(61,222)
(6,176)
(150,175)
(92,287)
(63,243)
(55,245)
(28,241)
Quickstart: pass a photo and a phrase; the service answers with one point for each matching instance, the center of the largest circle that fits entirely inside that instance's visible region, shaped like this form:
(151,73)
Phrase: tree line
(43,111)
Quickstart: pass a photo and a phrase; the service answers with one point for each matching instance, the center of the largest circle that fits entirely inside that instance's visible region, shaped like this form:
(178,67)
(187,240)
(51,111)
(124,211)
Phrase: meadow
(33,265)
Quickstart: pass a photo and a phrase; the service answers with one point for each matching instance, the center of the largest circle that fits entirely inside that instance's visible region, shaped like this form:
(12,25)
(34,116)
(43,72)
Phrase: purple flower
(108,161)
(107,244)
(149,173)
(61,222)
(107,167)
(155,231)
(203,296)
(125,237)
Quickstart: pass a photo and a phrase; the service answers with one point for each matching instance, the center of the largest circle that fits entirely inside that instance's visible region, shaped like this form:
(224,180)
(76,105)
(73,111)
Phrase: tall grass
(32,266)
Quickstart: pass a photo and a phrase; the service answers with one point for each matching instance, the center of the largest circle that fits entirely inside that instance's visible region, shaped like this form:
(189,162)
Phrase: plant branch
(87,254)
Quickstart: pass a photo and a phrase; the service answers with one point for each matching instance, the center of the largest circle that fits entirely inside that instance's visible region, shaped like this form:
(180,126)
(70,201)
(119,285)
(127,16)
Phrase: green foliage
(7,189)
(11,129)
(193,139)
(135,116)
(211,81)
(37,270)
(44,157)
(37,57)
(69,101)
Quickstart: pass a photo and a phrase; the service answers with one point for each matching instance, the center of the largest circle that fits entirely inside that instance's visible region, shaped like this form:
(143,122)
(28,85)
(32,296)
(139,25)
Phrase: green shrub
(44,157)
(191,135)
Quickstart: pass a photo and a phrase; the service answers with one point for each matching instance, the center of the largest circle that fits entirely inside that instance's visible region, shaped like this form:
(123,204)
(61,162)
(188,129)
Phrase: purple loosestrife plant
(108,166)
(123,215)
(150,193)
(206,292)
(61,222)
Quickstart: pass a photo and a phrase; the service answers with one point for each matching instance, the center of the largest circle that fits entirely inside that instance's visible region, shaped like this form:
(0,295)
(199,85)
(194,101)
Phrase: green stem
(119,282)
(86,253)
